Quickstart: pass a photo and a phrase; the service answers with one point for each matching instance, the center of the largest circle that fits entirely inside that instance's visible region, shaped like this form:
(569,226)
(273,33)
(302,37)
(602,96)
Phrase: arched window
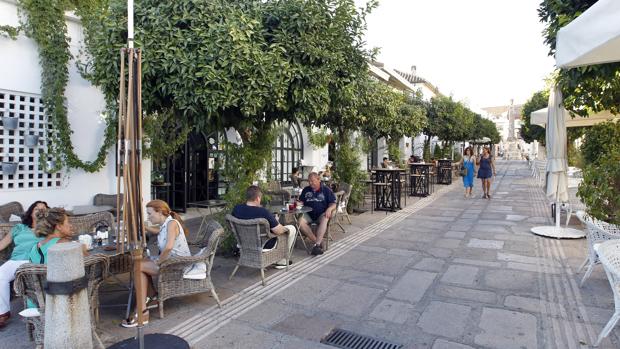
(286,153)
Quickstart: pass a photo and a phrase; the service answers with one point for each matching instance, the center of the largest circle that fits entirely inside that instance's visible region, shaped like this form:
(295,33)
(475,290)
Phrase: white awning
(591,38)
(539,118)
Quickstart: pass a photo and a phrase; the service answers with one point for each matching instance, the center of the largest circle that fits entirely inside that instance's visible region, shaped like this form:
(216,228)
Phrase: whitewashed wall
(20,71)
(312,156)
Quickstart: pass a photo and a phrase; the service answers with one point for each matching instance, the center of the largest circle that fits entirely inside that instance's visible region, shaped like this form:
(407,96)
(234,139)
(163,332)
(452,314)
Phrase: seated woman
(23,237)
(171,242)
(54,227)
(296,178)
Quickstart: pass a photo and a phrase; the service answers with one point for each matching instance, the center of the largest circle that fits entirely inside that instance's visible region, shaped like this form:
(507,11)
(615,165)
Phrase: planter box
(9,168)
(31,141)
(9,123)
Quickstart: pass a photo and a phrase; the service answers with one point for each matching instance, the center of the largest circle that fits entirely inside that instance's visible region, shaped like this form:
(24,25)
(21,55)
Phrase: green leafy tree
(590,88)
(529,132)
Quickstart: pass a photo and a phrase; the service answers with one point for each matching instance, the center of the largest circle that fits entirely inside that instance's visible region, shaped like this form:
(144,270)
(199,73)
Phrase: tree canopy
(590,88)
(530,132)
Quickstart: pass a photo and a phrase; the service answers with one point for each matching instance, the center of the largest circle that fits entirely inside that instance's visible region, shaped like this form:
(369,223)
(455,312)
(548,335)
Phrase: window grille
(28,109)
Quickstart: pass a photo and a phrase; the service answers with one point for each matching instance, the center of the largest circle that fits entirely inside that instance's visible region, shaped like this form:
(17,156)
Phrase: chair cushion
(15,218)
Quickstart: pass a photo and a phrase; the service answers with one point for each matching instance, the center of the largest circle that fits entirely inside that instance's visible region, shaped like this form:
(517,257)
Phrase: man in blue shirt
(323,203)
(252,209)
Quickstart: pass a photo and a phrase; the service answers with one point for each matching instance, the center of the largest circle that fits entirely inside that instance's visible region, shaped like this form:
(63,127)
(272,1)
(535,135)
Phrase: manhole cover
(350,340)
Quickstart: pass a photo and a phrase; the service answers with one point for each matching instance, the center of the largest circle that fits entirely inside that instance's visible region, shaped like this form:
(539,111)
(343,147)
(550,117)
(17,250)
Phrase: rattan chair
(172,284)
(6,253)
(251,234)
(29,284)
(609,255)
(347,188)
(106,200)
(7,210)
(88,223)
(597,232)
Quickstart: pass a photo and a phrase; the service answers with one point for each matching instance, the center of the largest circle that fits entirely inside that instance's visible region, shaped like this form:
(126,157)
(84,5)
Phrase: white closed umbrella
(557,165)
(591,38)
(539,117)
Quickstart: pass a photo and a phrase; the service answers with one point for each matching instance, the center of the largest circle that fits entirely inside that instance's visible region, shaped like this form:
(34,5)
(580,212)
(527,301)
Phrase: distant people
(468,162)
(327,173)
(385,163)
(412,160)
(171,240)
(486,171)
(252,209)
(296,177)
(323,203)
(23,238)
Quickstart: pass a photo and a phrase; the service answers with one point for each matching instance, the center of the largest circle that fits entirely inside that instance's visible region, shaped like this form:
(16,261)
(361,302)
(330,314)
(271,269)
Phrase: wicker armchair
(29,284)
(88,223)
(347,188)
(333,220)
(7,210)
(6,253)
(106,200)
(598,231)
(609,254)
(251,234)
(171,282)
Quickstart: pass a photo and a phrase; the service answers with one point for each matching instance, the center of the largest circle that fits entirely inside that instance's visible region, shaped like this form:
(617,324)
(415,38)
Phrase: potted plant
(9,168)
(9,123)
(31,140)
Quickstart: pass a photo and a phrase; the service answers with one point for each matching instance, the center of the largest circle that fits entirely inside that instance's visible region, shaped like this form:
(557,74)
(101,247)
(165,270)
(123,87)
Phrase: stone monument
(512,151)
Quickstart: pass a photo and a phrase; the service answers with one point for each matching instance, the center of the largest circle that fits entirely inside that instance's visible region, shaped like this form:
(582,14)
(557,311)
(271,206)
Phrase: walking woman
(468,161)
(171,242)
(486,171)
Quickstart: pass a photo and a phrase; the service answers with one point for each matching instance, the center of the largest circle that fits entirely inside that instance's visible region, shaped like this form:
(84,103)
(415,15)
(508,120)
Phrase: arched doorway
(286,153)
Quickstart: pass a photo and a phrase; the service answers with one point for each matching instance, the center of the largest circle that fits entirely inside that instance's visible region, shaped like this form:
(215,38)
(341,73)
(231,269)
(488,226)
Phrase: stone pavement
(446,272)
(443,273)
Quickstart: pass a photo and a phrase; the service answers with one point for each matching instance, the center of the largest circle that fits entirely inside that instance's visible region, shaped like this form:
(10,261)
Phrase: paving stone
(538,220)
(288,342)
(309,292)
(444,344)
(507,329)
(466,294)
(515,217)
(392,311)
(490,244)
(355,276)
(312,328)
(448,243)
(380,263)
(515,237)
(266,314)
(430,264)
(445,319)
(533,268)
(511,257)
(364,248)
(512,280)
(495,222)
(238,336)
(477,262)
(352,300)
(401,252)
(455,234)
(460,274)
(439,252)
(412,286)
(534,305)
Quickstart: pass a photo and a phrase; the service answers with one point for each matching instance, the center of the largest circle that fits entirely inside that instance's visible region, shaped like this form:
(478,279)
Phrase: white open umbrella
(539,117)
(557,165)
(591,38)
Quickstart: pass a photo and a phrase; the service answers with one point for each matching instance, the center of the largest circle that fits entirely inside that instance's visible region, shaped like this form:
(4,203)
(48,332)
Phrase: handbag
(463,171)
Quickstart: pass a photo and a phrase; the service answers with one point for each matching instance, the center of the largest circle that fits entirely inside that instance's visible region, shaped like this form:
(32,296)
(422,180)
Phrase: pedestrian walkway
(446,272)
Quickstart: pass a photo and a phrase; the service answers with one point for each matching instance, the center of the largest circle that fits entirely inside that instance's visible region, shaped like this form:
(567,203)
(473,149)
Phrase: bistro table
(420,179)
(387,193)
(296,214)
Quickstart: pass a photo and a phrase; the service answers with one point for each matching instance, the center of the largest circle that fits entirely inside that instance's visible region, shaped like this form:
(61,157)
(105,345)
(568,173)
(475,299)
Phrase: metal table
(444,172)
(420,179)
(296,214)
(387,193)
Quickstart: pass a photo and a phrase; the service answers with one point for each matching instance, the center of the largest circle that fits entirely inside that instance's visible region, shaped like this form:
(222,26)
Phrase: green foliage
(318,137)
(600,189)
(157,129)
(529,132)
(590,88)
(394,151)
(44,22)
(437,151)
(348,169)
(485,128)
(449,120)
(10,32)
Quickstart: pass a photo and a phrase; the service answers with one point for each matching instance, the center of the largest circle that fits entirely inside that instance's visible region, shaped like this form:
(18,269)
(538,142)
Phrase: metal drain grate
(349,340)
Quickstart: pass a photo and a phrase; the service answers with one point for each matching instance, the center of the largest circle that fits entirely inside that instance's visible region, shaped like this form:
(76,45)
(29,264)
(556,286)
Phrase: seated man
(252,209)
(385,163)
(323,203)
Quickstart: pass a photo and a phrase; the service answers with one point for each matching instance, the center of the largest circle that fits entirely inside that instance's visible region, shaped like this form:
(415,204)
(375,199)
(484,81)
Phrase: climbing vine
(44,22)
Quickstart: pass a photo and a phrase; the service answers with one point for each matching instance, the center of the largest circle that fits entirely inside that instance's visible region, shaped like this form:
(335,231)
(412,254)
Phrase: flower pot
(31,141)
(9,168)
(9,123)
(50,166)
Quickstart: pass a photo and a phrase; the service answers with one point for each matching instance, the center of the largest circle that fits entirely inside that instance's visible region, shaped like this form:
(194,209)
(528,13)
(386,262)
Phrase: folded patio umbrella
(539,117)
(591,38)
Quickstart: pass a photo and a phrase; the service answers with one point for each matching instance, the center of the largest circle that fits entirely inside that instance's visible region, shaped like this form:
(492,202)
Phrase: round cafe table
(296,213)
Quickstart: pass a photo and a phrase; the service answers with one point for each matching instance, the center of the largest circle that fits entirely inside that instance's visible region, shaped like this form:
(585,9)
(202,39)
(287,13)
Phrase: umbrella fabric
(591,38)
(557,180)
(539,117)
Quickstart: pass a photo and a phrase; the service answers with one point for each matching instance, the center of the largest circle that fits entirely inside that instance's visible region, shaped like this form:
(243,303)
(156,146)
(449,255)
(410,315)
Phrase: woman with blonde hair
(171,241)
(54,227)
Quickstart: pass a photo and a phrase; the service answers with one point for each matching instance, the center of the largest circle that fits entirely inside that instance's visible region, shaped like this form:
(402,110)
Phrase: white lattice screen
(28,108)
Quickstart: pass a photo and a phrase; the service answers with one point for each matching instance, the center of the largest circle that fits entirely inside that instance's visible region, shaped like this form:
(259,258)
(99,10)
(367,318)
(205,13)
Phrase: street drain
(349,340)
